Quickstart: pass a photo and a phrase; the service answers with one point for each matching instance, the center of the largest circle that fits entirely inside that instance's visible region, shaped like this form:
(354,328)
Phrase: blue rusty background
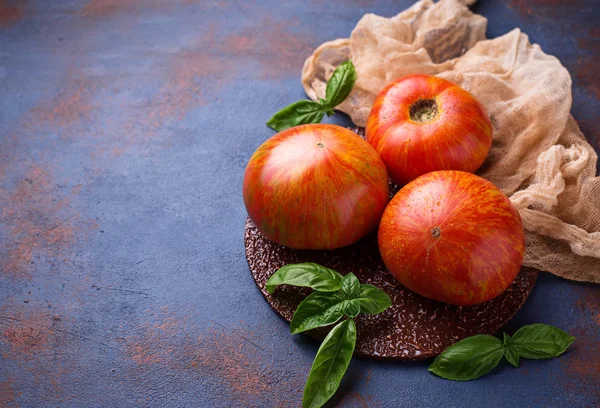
(125,128)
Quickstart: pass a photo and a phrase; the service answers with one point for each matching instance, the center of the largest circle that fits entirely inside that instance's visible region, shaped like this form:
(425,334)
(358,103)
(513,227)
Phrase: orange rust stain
(586,68)
(142,355)
(191,71)
(222,354)
(193,75)
(357,400)
(152,348)
(347,2)
(29,330)
(34,215)
(8,395)
(7,147)
(69,107)
(536,7)
(595,32)
(582,365)
(73,113)
(10,12)
(29,335)
(591,129)
(182,89)
(586,73)
(233,362)
(117,152)
(108,8)
(279,49)
(240,44)
(104,8)
(32,337)
(589,303)
(39,223)
(218,4)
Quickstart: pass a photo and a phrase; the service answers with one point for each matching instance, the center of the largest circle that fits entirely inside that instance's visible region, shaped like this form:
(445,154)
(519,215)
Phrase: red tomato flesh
(452,236)
(422,123)
(315,186)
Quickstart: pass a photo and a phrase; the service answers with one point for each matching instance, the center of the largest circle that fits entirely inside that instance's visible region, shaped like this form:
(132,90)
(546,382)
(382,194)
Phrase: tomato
(315,186)
(452,236)
(422,123)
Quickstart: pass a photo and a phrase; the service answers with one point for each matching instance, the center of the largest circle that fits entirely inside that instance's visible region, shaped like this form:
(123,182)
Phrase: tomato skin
(315,186)
(474,255)
(458,138)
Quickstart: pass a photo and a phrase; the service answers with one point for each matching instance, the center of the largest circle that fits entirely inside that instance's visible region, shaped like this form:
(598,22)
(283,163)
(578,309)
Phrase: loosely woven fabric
(539,157)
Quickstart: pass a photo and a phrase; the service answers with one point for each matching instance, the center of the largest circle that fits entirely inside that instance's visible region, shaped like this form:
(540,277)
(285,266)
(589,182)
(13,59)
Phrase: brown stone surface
(413,328)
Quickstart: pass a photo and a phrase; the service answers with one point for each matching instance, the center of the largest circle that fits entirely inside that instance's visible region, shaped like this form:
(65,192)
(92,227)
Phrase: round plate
(413,327)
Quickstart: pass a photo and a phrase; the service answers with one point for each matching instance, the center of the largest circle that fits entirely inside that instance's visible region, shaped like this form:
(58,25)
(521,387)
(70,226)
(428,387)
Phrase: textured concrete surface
(125,126)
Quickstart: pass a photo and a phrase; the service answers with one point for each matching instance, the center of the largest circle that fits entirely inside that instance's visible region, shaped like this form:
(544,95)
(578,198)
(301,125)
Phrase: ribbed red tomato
(452,236)
(315,187)
(422,123)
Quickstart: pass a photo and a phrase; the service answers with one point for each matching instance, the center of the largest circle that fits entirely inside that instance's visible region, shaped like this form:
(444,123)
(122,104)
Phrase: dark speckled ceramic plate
(413,328)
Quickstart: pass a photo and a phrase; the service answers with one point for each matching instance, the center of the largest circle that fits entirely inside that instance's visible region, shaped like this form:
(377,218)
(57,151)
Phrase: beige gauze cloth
(539,157)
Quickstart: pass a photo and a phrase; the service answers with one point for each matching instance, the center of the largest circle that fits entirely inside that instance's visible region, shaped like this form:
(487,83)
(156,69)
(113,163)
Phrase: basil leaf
(329,110)
(373,300)
(306,274)
(317,310)
(340,84)
(469,358)
(511,355)
(540,341)
(330,364)
(351,308)
(350,286)
(339,87)
(297,113)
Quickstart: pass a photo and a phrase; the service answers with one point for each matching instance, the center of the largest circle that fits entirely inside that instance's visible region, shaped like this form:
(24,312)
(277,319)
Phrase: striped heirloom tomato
(422,123)
(452,236)
(315,186)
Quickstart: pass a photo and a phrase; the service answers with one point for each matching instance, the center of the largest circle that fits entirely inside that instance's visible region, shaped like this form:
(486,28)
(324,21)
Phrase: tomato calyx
(423,110)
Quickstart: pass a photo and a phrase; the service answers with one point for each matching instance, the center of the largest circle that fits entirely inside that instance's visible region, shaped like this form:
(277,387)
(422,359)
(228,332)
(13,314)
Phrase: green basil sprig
(469,358)
(306,274)
(331,362)
(475,356)
(339,87)
(317,310)
(539,341)
(335,296)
